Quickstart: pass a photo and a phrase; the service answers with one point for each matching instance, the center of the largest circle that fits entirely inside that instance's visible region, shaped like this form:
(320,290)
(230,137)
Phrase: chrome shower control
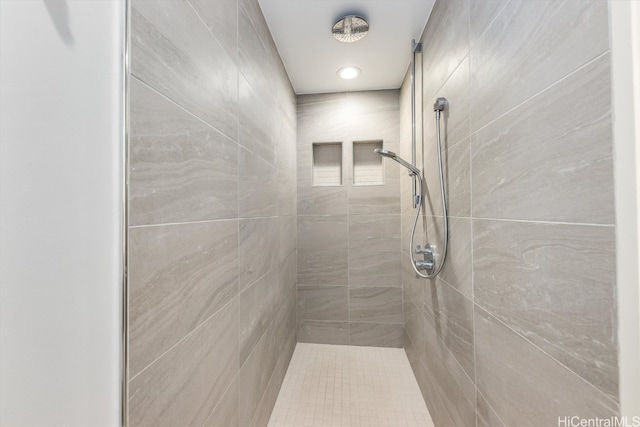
(428,258)
(424,265)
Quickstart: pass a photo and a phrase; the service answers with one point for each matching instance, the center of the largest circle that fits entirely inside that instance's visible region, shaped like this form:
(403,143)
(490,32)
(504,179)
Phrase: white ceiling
(301,30)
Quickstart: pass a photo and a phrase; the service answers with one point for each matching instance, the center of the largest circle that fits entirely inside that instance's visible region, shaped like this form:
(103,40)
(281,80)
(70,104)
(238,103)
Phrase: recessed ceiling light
(348,73)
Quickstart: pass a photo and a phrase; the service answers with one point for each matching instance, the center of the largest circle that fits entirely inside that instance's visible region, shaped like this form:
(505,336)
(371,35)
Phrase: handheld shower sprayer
(433,260)
(394,156)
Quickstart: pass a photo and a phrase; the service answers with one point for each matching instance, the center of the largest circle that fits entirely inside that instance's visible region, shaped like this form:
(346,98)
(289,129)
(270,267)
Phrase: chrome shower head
(350,28)
(394,156)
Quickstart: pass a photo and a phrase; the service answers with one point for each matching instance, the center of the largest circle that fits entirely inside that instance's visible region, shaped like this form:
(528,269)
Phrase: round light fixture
(349,73)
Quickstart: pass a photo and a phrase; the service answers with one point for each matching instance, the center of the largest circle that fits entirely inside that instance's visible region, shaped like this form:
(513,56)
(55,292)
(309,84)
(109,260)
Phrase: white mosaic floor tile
(339,386)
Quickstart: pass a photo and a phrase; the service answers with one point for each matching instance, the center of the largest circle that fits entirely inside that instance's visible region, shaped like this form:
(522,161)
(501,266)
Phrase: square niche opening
(327,164)
(367,165)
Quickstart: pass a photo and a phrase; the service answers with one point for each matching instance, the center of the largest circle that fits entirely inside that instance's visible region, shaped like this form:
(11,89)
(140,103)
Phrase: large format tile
(375,199)
(319,267)
(257,122)
(286,192)
(486,416)
(323,303)
(255,374)
(379,305)
(450,315)
(318,200)
(448,390)
(555,285)
(257,186)
(525,386)
(179,275)
(173,51)
(181,169)
(255,57)
(457,181)
(288,234)
(322,232)
(531,165)
(321,118)
(257,309)
(221,18)
(258,250)
(381,269)
(374,232)
(226,412)
(323,332)
(457,269)
(454,120)
(376,334)
(445,44)
(481,14)
(531,45)
(373,115)
(186,383)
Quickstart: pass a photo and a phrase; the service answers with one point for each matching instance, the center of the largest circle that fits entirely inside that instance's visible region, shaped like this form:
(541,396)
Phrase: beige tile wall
(212,253)
(519,328)
(349,270)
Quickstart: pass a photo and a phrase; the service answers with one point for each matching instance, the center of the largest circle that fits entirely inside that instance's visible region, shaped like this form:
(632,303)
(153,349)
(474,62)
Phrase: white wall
(60,217)
(625,48)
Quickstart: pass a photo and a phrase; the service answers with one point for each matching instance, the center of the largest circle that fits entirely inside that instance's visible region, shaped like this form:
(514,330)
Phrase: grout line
(478,392)
(545,353)
(586,224)
(166,97)
(177,343)
(236,377)
(540,92)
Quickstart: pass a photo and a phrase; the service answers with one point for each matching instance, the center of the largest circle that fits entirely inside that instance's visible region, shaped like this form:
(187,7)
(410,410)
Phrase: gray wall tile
(323,303)
(226,412)
(319,267)
(450,315)
(531,165)
(179,276)
(181,169)
(381,269)
(323,332)
(486,415)
(377,334)
(258,248)
(525,386)
(374,232)
(169,41)
(322,232)
(380,305)
(540,280)
(530,46)
(221,18)
(200,69)
(183,386)
(257,307)
(526,137)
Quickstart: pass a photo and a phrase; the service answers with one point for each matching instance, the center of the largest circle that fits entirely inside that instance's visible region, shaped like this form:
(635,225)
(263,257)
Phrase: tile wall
(212,256)
(520,327)
(349,267)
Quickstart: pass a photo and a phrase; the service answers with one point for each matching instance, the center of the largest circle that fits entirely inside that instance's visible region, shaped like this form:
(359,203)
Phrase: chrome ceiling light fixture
(350,29)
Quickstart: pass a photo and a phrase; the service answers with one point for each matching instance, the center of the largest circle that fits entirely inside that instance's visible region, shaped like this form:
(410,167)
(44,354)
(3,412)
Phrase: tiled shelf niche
(327,164)
(367,165)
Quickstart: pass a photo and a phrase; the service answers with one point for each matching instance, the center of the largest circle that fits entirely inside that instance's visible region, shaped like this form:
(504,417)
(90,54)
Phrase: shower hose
(437,266)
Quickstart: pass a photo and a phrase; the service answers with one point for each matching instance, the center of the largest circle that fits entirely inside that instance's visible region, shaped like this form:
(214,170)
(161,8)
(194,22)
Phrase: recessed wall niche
(327,164)
(367,165)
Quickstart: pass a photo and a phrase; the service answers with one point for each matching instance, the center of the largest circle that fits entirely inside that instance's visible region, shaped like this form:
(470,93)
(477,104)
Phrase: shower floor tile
(338,386)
